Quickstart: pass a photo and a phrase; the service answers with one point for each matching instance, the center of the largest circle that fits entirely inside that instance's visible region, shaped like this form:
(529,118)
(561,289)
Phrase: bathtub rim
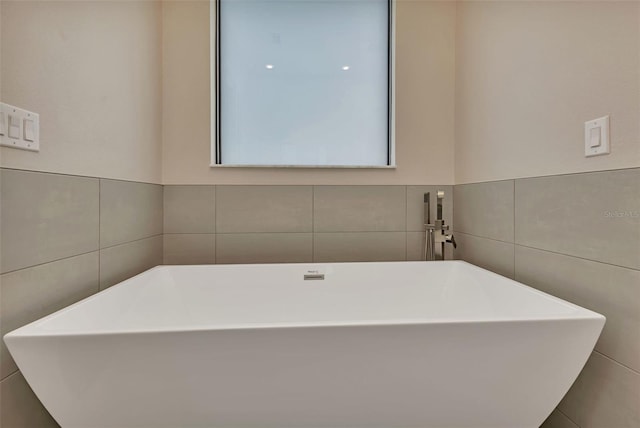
(32,329)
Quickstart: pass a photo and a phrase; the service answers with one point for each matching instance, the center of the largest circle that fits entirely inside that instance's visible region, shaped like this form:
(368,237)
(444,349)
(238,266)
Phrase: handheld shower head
(427,208)
(439,206)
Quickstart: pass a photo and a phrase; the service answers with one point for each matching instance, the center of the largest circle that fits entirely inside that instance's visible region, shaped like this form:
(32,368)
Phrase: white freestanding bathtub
(384,345)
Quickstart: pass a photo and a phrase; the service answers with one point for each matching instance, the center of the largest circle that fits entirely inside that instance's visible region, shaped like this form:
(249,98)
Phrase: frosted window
(303,82)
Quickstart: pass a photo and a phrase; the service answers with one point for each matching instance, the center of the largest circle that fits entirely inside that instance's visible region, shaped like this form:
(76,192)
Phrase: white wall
(529,74)
(92,70)
(123,90)
(425,73)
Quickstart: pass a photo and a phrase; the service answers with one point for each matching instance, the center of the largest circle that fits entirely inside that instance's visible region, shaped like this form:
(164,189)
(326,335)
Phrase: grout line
(100,226)
(298,233)
(567,416)
(313,223)
(204,233)
(10,374)
(336,231)
(515,244)
(406,220)
(132,241)
(215,209)
(576,257)
(617,362)
(549,175)
(215,226)
(405,246)
(191,185)
(163,217)
(52,261)
(327,185)
(79,176)
(514,228)
(483,237)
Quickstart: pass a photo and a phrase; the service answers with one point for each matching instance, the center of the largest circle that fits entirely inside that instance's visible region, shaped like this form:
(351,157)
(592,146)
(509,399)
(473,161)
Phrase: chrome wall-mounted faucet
(434,233)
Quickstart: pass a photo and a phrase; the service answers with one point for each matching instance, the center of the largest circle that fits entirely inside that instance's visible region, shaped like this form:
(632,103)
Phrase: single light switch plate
(596,137)
(21,128)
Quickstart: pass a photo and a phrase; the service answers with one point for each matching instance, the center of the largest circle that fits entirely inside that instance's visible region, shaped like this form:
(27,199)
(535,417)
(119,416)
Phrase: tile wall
(64,238)
(576,237)
(295,224)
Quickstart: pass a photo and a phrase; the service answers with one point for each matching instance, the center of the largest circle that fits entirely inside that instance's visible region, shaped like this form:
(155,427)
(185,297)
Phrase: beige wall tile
(189,209)
(605,395)
(610,290)
(20,408)
(264,248)
(415,206)
(359,246)
(359,208)
(557,419)
(415,247)
(245,209)
(124,261)
(496,256)
(189,249)
(46,217)
(485,209)
(593,215)
(30,294)
(129,211)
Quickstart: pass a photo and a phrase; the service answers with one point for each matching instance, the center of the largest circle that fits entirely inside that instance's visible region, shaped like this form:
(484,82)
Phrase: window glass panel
(304,82)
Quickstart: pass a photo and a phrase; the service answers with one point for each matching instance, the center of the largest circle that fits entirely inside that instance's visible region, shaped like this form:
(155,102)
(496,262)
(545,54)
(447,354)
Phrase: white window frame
(215,101)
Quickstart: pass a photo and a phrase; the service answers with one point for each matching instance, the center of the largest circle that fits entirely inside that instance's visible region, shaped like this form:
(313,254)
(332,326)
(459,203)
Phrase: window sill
(305,166)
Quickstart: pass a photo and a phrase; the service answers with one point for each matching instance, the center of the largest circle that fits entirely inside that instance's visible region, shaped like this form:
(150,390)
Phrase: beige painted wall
(425,72)
(529,74)
(92,70)
(123,90)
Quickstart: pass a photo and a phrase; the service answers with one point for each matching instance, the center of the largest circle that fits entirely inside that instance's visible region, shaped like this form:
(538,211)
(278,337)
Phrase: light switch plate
(596,137)
(25,132)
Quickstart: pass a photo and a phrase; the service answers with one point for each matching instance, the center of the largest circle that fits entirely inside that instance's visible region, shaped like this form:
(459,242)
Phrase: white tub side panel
(356,377)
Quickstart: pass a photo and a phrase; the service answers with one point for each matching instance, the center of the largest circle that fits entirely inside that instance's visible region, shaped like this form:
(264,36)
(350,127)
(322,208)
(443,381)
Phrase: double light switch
(19,128)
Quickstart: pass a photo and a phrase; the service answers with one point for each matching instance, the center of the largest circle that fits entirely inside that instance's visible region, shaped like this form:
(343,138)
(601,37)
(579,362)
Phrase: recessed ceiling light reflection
(346,67)
(269,66)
